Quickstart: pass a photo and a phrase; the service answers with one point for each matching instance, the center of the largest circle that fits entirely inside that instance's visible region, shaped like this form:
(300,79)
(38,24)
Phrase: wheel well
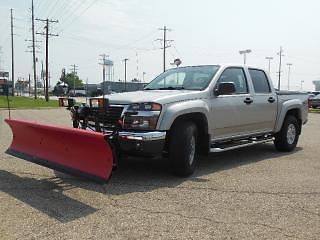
(296,113)
(202,125)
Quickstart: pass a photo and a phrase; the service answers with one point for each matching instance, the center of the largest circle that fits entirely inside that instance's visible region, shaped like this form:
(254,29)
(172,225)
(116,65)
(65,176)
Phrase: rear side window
(260,81)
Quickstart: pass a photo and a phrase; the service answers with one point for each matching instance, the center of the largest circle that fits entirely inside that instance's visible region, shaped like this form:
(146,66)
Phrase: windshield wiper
(171,88)
(165,88)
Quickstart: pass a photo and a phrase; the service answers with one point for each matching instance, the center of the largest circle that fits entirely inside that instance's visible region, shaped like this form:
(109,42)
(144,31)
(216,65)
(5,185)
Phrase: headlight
(99,103)
(142,116)
(66,102)
(145,107)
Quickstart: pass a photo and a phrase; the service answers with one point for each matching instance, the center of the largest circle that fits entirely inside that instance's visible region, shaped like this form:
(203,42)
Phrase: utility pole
(289,68)
(33,51)
(125,73)
(47,34)
(280,53)
(269,62)
(29,78)
(166,44)
(12,52)
(244,53)
(143,74)
(301,82)
(74,69)
(31,46)
(42,77)
(104,58)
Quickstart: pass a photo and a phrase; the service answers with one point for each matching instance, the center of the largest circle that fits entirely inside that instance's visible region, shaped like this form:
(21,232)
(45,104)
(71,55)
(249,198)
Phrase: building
(122,87)
(317,85)
(5,84)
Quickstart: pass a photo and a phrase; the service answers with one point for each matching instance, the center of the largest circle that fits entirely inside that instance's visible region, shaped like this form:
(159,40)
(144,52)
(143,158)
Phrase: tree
(72,80)
(68,80)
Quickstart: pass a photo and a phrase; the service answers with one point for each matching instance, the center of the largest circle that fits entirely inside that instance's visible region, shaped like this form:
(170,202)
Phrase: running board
(216,149)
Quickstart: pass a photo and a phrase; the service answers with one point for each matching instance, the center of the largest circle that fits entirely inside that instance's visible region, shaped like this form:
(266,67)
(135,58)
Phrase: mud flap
(74,151)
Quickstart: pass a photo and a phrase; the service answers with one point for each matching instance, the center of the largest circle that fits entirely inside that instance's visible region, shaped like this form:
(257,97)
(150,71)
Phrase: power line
(75,17)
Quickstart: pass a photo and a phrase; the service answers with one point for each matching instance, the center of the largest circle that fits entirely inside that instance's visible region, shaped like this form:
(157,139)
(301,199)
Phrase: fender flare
(175,110)
(293,104)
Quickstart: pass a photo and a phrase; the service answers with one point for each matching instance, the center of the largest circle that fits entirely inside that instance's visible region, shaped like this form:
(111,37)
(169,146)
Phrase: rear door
(265,101)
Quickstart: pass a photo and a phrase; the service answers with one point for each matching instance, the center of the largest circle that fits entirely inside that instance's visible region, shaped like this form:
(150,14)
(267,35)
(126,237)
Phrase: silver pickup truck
(189,111)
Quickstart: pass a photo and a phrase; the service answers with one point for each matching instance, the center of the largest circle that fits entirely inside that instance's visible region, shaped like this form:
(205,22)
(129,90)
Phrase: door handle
(271,99)
(248,101)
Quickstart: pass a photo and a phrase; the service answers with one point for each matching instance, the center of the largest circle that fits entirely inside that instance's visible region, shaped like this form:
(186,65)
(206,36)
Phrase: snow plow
(101,132)
(75,151)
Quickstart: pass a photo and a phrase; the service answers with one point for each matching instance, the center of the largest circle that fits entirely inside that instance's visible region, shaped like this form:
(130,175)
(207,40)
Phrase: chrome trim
(142,136)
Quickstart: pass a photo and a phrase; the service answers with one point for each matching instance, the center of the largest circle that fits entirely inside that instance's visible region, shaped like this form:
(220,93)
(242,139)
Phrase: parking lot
(250,193)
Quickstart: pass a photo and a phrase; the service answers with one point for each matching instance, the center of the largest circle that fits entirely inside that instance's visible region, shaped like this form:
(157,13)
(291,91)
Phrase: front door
(231,115)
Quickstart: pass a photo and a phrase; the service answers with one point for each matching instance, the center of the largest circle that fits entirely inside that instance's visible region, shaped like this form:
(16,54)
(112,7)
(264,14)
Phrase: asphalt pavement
(250,193)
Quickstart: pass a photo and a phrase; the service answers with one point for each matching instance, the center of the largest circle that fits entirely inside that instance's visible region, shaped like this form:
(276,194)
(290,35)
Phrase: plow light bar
(66,102)
(99,103)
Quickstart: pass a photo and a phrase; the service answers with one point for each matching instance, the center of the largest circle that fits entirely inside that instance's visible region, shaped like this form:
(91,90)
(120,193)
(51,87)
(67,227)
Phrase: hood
(158,96)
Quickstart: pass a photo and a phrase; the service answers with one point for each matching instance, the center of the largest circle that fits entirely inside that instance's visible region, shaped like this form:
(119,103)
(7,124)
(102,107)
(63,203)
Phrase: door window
(236,76)
(260,81)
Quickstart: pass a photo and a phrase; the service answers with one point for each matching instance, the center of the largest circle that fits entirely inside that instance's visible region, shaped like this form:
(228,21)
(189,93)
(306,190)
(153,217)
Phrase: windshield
(190,78)
(317,97)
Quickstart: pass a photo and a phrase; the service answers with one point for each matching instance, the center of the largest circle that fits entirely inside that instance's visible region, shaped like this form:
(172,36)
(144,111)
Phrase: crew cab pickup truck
(189,111)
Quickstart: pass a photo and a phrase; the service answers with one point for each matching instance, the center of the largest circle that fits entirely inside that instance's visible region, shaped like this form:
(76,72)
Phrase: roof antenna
(8,101)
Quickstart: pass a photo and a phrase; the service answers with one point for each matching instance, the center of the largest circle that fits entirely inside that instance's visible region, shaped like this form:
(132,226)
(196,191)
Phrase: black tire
(286,140)
(75,124)
(183,148)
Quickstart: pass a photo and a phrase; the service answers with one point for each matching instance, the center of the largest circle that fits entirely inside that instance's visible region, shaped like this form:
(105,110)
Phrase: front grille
(107,119)
(113,114)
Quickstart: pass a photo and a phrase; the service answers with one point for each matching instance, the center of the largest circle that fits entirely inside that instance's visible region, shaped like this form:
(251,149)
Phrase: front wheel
(183,148)
(286,140)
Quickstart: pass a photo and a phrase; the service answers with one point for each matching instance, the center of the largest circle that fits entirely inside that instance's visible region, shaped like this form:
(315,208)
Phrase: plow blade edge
(70,150)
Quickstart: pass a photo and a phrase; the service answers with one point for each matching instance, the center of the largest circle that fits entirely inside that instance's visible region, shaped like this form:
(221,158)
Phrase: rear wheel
(286,140)
(183,148)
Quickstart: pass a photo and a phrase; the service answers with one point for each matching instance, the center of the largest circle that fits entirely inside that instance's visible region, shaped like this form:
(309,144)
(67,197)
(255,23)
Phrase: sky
(204,32)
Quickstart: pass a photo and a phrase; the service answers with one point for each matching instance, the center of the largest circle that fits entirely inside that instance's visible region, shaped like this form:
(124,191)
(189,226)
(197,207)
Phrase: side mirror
(225,88)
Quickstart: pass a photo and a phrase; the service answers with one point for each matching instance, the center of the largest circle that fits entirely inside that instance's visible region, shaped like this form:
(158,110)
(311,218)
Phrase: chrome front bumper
(142,143)
(143,136)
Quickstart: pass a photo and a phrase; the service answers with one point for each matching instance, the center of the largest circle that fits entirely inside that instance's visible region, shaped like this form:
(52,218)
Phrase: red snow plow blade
(70,150)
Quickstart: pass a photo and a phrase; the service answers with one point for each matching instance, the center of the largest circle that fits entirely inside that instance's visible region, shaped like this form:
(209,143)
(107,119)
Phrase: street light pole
(244,53)
(125,73)
(301,84)
(269,62)
(289,68)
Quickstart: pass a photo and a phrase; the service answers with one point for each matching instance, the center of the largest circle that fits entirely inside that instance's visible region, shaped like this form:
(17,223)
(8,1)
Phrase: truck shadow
(45,196)
(143,175)
(134,175)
